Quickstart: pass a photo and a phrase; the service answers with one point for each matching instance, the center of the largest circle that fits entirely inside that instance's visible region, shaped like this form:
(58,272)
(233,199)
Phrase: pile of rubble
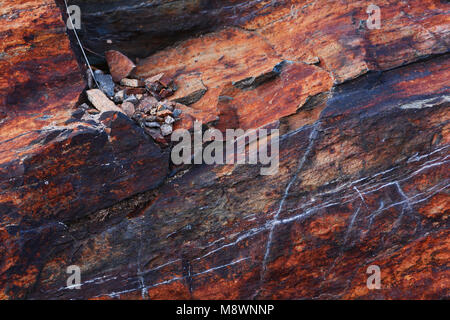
(143,100)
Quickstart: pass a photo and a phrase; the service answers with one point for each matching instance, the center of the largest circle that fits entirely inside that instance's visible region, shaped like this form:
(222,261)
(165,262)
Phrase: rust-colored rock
(120,65)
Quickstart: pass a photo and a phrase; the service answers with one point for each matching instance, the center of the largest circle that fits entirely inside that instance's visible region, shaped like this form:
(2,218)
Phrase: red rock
(155,78)
(120,65)
(128,108)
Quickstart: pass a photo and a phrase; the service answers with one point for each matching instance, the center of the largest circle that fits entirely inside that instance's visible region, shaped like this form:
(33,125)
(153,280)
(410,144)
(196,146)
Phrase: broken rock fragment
(160,86)
(105,82)
(147,104)
(128,108)
(134,83)
(152,124)
(120,65)
(169,120)
(101,102)
(132,99)
(166,129)
(120,96)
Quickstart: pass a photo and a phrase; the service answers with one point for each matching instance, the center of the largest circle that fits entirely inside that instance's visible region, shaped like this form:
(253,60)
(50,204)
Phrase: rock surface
(120,65)
(364,146)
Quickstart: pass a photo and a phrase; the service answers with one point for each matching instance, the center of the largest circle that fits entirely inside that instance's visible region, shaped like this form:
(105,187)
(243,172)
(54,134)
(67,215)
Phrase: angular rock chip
(101,102)
(166,129)
(154,78)
(133,99)
(120,65)
(105,82)
(147,104)
(120,96)
(128,108)
(152,124)
(134,83)
(169,120)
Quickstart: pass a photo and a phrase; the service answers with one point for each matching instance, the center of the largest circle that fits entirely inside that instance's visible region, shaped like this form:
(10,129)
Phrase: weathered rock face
(363,176)
(55,166)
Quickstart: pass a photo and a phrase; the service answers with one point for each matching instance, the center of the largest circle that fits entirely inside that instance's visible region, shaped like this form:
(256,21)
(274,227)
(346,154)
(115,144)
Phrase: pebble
(105,82)
(169,120)
(120,65)
(128,108)
(154,78)
(166,130)
(120,96)
(147,104)
(132,99)
(152,124)
(176,113)
(134,83)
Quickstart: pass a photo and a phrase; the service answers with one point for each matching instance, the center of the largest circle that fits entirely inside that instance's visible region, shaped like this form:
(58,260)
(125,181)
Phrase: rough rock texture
(119,65)
(363,177)
(54,166)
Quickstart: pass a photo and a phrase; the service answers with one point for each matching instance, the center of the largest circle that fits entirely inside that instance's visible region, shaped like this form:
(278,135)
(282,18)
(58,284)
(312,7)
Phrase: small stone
(128,108)
(166,129)
(135,91)
(120,65)
(152,124)
(132,99)
(147,104)
(154,78)
(150,118)
(120,96)
(105,83)
(176,113)
(134,83)
(101,102)
(169,120)
(154,87)
(164,113)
